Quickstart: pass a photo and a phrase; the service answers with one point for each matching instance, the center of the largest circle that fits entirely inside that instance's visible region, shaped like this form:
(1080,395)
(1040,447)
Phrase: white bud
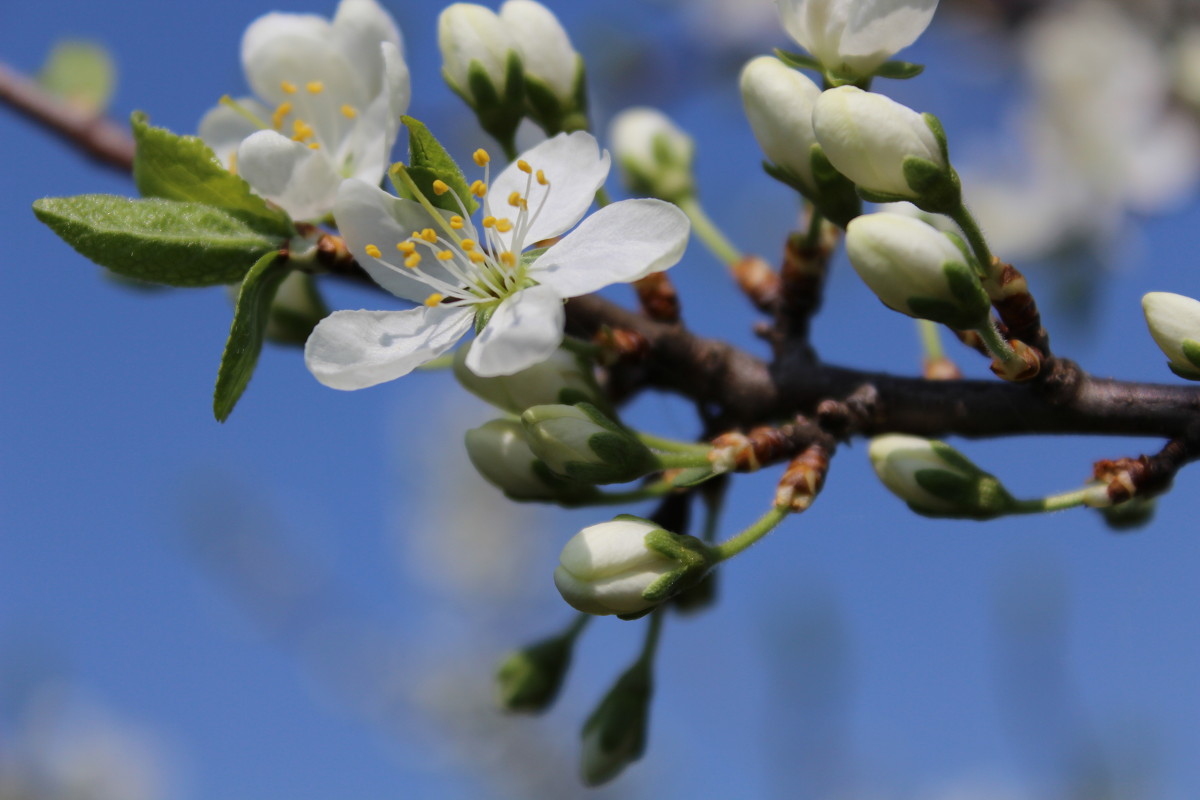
(562,378)
(852,38)
(779,103)
(1174,322)
(546,50)
(606,568)
(654,155)
(469,33)
(935,479)
(916,270)
(868,137)
(500,453)
(579,442)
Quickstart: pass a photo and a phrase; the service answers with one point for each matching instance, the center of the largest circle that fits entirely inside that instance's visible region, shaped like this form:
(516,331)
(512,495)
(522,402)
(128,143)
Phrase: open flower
(331,97)
(852,38)
(465,275)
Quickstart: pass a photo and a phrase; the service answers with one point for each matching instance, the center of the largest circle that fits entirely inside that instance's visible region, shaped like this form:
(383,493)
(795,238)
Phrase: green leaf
(429,161)
(250,319)
(160,241)
(81,74)
(899,70)
(185,168)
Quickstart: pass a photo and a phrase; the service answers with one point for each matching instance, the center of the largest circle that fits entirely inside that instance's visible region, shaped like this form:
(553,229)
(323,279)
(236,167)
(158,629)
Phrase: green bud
(936,480)
(580,443)
(528,680)
(1130,515)
(614,736)
(500,453)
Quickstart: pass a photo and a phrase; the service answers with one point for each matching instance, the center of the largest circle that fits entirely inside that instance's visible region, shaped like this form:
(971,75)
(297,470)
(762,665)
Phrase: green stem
(812,237)
(1054,502)
(712,516)
(979,245)
(576,627)
(707,232)
(672,445)
(650,643)
(931,341)
(996,345)
(647,492)
(765,524)
(682,460)
(602,198)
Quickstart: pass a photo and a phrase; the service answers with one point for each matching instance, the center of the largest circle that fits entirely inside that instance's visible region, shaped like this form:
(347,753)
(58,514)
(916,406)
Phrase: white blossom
(605,568)
(852,38)
(329,97)
(779,103)
(458,270)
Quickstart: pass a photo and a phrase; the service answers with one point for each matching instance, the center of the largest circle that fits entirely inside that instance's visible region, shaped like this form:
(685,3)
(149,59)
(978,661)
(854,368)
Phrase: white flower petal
(288,173)
(525,330)
(855,36)
(357,349)
(223,128)
(368,146)
(367,215)
(575,169)
(619,243)
(359,28)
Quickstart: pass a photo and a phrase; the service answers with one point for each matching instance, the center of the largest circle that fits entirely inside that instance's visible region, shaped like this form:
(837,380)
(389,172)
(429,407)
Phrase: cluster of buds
(515,63)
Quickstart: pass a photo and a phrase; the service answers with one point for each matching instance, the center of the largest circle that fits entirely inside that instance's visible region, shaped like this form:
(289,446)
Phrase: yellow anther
(456,222)
(479,188)
(489,222)
(433,299)
(281,111)
(508,259)
(481,157)
(406,247)
(288,87)
(514,199)
(314,87)
(504,225)
(412,261)
(429,235)
(314,145)
(373,251)
(301,130)
(476,257)
(440,187)
(467,244)
(445,255)
(523,165)
(541,178)
(349,112)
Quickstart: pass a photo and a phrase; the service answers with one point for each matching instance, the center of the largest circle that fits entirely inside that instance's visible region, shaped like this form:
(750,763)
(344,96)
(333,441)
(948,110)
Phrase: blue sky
(307,601)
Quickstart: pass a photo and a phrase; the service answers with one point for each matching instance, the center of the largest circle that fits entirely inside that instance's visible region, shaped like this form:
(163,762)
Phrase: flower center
(474,265)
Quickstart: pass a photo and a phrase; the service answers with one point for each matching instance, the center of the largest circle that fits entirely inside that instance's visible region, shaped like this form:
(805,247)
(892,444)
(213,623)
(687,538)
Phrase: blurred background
(309,600)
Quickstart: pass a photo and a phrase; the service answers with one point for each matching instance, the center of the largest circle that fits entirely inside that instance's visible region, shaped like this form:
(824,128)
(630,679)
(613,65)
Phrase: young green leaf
(428,161)
(184,168)
(250,319)
(161,241)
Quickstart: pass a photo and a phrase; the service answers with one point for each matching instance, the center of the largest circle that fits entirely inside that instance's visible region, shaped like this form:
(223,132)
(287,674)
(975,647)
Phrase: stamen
(456,222)
(302,130)
(412,261)
(440,187)
(479,188)
(434,299)
(429,235)
(481,157)
(489,222)
(541,178)
(288,87)
(476,257)
(242,111)
(281,111)
(445,255)
(373,251)
(314,145)
(523,165)
(349,112)
(504,225)
(406,247)
(508,259)
(467,245)
(314,87)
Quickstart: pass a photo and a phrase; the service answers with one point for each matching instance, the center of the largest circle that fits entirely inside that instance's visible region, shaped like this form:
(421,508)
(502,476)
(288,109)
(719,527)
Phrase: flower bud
(554,73)
(851,39)
(917,270)
(481,62)
(890,151)
(614,736)
(1174,322)
(627,566)
(580,443)
(500,453)
(1129,515)
(936,480)
(529,679)
(564,377)
(654,155)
